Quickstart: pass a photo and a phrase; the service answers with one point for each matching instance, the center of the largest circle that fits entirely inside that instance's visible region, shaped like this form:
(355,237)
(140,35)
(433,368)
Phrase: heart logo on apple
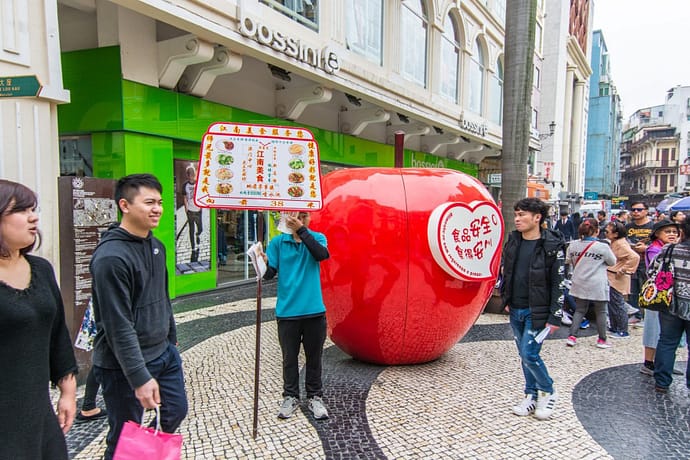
(465,239)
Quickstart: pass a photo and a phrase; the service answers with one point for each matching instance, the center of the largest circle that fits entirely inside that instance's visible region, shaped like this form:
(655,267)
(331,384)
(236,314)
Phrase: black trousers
(311,334)
(122,404)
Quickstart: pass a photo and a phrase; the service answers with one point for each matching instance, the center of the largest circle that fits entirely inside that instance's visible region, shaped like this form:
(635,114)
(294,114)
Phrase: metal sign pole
(257,353)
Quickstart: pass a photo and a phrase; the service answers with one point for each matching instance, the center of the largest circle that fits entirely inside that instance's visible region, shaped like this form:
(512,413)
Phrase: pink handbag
(138,442)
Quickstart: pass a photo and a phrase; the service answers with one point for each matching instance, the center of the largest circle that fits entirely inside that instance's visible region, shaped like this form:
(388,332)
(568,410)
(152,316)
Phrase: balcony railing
(655,164)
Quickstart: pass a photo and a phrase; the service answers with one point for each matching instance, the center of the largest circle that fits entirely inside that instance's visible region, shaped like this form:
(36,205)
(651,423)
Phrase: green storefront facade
(134,128)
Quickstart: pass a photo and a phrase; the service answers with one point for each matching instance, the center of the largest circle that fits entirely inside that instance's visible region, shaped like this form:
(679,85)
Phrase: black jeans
(310,333)
(122,404)
(90,391)
(194,221)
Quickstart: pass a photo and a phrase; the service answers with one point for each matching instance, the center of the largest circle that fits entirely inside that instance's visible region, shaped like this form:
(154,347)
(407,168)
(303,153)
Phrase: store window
(497,94)
(476,96)
(193,250)
(413,41)
(305,12)
(450,60)
(236,231)
(76,158)
(364,28)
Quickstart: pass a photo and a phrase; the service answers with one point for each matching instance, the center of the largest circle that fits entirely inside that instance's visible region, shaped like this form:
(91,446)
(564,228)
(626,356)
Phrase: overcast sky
(648,46)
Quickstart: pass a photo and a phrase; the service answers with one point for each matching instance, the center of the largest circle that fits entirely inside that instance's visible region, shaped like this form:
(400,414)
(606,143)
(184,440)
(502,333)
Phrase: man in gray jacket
(135,358)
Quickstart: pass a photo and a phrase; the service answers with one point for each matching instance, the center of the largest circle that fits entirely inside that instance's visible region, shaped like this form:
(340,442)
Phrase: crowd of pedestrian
(596,264)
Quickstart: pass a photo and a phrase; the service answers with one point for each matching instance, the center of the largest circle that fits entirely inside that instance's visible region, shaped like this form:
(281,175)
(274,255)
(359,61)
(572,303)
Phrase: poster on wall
(192,223)
(259,167)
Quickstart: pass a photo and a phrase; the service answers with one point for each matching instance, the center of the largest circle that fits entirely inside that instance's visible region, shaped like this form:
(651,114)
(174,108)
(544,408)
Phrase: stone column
(565,123)
(577,154)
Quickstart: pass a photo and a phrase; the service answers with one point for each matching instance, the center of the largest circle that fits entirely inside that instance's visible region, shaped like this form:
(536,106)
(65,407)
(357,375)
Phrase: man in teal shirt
(300,311)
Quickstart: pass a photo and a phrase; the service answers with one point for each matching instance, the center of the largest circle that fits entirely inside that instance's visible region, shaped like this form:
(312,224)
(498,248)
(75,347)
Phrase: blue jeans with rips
(534,369)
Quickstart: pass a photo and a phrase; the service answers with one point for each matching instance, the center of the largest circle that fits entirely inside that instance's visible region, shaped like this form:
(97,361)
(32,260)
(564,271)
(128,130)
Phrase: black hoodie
(130,299)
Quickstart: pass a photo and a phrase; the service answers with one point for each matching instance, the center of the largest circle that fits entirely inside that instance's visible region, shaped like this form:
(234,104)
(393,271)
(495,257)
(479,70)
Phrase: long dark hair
(14,198)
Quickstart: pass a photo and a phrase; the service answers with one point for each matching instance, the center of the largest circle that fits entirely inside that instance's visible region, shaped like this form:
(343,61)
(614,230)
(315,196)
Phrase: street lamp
(552,129)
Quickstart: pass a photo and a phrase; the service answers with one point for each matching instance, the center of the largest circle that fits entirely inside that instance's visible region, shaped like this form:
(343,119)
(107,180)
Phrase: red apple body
(387,300)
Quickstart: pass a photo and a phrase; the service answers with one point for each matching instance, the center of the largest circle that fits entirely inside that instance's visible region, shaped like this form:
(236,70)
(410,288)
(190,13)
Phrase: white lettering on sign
(323,59)
(427,164)
(473,127)
(465,240)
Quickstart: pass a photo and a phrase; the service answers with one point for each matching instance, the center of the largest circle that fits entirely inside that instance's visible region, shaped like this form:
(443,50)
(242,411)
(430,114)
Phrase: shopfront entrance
(236,231)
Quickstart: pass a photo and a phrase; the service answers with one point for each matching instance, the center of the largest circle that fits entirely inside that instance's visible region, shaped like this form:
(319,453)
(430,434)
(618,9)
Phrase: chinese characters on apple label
(465,240)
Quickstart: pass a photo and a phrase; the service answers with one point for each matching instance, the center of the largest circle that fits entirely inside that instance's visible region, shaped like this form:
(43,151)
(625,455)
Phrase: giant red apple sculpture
(414,258)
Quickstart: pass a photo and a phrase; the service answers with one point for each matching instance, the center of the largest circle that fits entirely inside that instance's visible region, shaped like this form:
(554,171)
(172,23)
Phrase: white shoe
(525,407)
(546,402)
(566,320)
(288,408)
(631,310)
(317,408)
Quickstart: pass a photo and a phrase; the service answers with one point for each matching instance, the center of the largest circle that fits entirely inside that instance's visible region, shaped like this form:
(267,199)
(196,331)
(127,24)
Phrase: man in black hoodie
(135,358)
(533,293)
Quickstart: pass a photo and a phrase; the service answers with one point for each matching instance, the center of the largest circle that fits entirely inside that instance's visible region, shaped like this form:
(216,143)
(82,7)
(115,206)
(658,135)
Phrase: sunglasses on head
(637,209)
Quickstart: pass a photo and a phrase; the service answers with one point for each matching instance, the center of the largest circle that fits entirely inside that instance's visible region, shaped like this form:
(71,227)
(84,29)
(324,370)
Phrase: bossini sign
(323,59)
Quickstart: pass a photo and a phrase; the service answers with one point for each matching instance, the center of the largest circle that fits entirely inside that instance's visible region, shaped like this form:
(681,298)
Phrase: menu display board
(266,167)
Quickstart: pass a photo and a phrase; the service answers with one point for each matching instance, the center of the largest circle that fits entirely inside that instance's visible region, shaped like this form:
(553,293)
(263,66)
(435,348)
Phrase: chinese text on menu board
(259,167)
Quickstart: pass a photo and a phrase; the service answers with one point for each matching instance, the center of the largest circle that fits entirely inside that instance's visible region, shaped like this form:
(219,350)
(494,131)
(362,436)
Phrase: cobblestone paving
(455,407)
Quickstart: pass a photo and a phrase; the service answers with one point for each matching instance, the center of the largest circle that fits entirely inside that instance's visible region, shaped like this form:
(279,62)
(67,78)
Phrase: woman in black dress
(35,347)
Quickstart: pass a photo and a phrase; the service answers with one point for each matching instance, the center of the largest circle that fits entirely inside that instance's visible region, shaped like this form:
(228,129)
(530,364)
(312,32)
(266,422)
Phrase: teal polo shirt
(299,276)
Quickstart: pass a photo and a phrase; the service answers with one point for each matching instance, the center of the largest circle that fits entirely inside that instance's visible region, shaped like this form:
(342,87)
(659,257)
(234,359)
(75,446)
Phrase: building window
(413,41)
(497,94)
(537,77)
(535,118)
(450,60)
(305,12)
(500,8)
(661,114)
(364,19)
(476,97)
(538,39)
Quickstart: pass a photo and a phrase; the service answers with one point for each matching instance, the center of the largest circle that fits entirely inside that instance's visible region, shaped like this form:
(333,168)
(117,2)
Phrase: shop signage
(22,86)
(323,58)
(495,178)
(465,240)
(474,127)
(244,166)
(426,161)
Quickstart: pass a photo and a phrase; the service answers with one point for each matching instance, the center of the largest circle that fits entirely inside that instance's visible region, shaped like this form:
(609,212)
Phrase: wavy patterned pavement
(455,407)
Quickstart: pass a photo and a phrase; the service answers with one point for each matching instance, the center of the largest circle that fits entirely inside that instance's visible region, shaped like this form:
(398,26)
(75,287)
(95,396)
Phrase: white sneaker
(525,407)
(546,402)
(317,408)
(289,406)
(566,320)
(631,310)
